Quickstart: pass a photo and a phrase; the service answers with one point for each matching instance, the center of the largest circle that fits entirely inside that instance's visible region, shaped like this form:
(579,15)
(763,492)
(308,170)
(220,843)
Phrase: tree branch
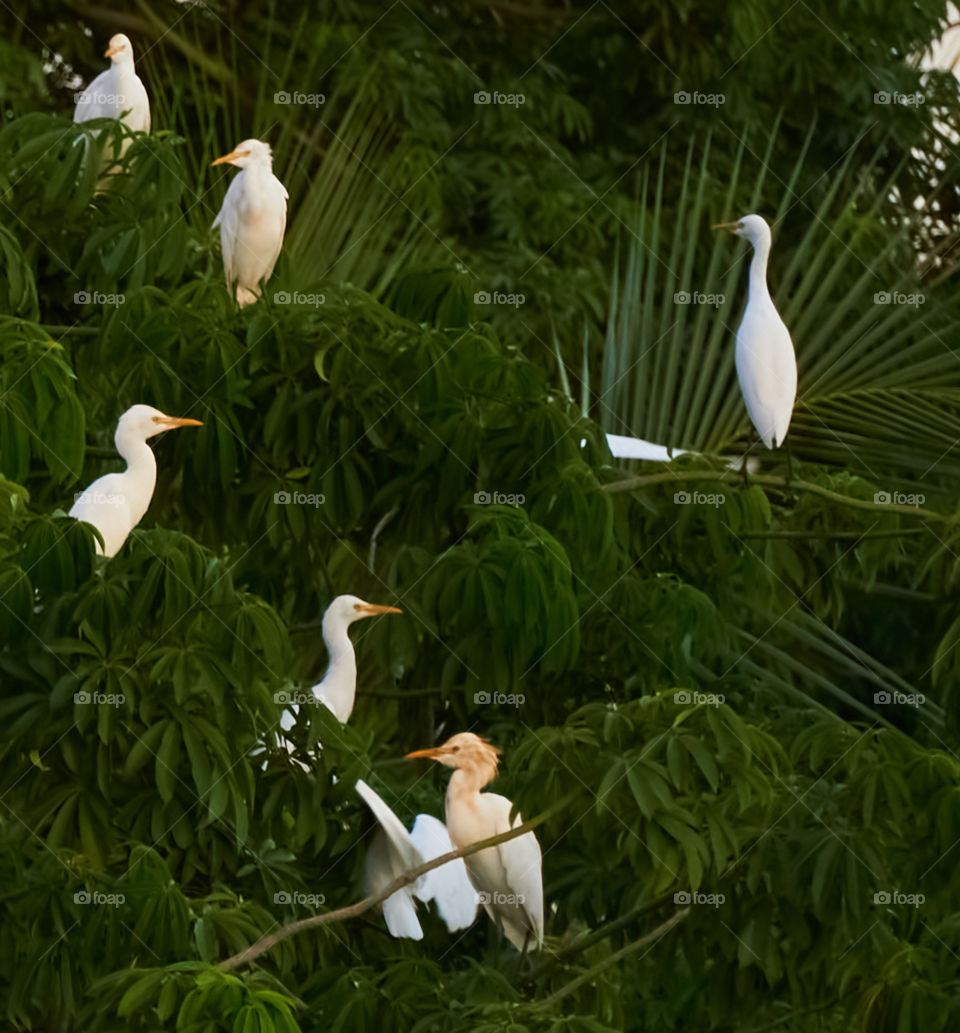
(268,942)
(655,934)
(771,481)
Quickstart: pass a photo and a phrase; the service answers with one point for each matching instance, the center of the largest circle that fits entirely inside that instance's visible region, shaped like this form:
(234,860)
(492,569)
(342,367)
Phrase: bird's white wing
(282,220)
(449,885)
(229,221)
(624,447)
(137,104)
(509,876)
(105,505)
(399,909)
(391,853)
(767,371)
(99,99)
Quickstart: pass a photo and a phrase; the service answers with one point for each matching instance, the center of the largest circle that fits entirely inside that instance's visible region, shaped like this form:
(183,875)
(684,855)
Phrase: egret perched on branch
(338,687)
(766,363)
(395,851)
(508,877)
(117,92)
(116,502)
(252,219)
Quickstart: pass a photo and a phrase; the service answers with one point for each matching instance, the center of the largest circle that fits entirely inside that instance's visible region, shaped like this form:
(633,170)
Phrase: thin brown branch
(651,937)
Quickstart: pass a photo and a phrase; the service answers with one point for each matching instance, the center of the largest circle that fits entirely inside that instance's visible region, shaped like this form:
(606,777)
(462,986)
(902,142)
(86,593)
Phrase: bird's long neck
(141,472)
(758,269)
(339,685)
(466,783)
(258,175)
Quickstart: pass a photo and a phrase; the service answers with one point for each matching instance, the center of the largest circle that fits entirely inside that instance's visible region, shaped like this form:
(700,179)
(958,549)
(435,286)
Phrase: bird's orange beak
(229,159)
(725,226)
(110,51)
(431,754)
(372,609)
(172,422)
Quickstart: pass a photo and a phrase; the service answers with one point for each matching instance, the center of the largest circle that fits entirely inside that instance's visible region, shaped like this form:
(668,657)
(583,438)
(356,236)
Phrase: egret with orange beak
(766,362)
(507,877)
(337,689)
(116,92)
(115,503)
(252,220)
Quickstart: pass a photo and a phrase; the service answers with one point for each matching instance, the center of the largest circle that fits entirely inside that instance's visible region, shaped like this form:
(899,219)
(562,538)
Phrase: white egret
(338,688)
(117,92)
(252,219)
(508,877)
(395,851)
(766,362)
(116,502)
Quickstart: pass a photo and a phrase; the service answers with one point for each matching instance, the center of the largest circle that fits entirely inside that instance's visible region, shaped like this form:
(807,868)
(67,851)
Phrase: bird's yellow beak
(110,51)
(372,609)
(726,226)
(229,159)
(171,422)
(431,754)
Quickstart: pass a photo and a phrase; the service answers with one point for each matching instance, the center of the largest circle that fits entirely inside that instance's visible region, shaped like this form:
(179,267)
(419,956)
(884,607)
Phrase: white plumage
(252,220)
(117,502)
(624,447)
(116,92)
(766,362)
(395,851)
(507,877)
(337,689)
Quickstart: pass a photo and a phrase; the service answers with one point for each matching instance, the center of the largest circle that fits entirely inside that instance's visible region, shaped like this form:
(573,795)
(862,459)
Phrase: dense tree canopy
(734,705)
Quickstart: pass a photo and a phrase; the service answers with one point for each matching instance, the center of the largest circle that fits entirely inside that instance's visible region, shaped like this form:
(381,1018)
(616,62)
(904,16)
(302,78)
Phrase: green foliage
(743,710)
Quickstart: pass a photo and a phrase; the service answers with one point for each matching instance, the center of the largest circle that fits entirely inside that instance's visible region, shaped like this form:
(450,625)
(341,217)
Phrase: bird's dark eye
(454,749)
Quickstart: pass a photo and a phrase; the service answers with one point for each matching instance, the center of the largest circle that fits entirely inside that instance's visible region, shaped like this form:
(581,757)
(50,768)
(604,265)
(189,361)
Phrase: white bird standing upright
(508,877)
(766,362)
(337,689)
(252,219)
(395,851)
(116,502)
(117,92)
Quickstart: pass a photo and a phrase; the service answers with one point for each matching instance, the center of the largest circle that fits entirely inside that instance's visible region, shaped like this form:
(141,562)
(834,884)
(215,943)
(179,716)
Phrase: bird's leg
(745,462)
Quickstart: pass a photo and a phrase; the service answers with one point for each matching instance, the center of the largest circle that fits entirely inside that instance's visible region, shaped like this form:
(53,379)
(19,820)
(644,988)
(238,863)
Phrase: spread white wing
(449,885)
